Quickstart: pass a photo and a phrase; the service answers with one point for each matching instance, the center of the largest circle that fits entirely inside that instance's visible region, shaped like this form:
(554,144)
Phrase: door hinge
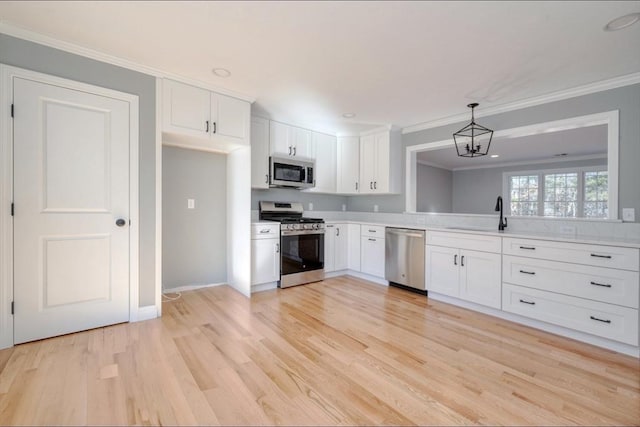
(11,110)
(12,209)
(12,307)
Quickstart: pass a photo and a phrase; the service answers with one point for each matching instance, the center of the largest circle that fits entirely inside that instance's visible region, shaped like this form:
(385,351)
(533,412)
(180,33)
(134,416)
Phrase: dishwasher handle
(406,233)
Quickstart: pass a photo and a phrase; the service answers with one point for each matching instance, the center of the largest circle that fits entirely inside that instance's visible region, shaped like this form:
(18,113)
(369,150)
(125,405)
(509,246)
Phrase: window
(568,193)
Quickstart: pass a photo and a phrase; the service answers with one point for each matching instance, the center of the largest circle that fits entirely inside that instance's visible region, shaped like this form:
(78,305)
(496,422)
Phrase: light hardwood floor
(343,351)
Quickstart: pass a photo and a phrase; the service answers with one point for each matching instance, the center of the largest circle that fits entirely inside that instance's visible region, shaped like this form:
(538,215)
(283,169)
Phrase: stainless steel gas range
(301,243)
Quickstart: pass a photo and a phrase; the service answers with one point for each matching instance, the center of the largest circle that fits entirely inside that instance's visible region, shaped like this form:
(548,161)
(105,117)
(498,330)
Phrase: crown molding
(32,36)
(616,82)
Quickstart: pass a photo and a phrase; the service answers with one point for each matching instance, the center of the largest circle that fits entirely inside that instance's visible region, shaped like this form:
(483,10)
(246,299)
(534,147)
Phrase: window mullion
(541,191)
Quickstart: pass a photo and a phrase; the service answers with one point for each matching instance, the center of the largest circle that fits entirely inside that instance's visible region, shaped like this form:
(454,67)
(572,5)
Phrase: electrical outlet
(421,220)
(310,206)
(344,208)
(191,203)
(375,208)
(628,214)
(568,229)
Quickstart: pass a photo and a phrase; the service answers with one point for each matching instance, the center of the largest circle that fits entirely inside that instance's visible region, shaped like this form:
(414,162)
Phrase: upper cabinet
(290,141)
(259,153)
(380,166)
(348,165)
(198,118)
(323,151)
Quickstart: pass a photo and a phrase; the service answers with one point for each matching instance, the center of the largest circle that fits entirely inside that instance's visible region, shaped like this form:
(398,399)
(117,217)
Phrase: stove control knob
(316,226)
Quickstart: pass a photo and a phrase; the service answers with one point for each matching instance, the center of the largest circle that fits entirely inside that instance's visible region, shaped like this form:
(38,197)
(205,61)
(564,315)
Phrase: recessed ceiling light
(622,22)
(349,115)
(493,156)
(221,72)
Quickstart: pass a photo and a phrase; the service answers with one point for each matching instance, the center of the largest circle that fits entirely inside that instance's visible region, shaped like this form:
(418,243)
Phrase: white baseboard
(547,327)
(359,275)
(192,287)
(264,287)
(146,313)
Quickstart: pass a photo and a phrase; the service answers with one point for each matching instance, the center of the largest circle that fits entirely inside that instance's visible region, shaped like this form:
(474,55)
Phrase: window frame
(506,190)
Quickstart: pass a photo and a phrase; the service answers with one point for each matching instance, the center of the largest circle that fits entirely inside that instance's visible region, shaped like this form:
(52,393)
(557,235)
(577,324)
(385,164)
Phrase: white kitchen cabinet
(259,153)
(335,247)
(348,165)
(197,118)
(265,261)
(464,273)
(289,141)
(380,166)
(324,152)
(353,247)
(372,251)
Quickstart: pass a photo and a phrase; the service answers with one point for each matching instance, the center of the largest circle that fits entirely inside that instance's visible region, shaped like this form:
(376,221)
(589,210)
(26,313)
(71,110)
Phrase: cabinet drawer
(473,242)
(265,231)
(597,318)
(372,231)
(595,283)
(579,253)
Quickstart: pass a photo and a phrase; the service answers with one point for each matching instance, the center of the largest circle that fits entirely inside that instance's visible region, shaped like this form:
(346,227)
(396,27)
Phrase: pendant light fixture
(473,140)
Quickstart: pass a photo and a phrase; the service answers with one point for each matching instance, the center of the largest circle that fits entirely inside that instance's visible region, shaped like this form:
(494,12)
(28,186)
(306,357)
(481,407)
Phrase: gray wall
(32,56)
(475,190)
(321,202)
(625,99)
(194,241)
(434,188)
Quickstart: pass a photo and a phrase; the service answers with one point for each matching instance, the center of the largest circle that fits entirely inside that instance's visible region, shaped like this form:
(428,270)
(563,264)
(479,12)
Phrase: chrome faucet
(501,225)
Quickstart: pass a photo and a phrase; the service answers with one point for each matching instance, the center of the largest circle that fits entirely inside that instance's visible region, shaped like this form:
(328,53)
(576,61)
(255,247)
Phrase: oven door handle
(301,232)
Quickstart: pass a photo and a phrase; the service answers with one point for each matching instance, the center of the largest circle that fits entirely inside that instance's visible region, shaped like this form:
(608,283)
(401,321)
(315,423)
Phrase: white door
(301,142)
(480,278)
(348,165)
(265,262)
(353,241)
(280,139)
(341,248)
(367,163)
(187,109)
(442,266)
(71,188)
(229,117)
(383,147)
(329,248)
(324,152)
(372,256)
(259,153)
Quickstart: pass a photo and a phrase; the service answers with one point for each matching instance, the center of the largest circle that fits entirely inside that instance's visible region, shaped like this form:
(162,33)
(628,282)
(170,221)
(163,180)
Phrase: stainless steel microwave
(293,173)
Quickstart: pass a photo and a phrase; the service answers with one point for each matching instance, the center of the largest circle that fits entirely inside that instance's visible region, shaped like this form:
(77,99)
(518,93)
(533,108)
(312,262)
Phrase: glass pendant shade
(473,140)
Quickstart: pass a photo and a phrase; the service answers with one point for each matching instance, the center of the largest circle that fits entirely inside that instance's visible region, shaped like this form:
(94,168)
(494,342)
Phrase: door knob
(120,222)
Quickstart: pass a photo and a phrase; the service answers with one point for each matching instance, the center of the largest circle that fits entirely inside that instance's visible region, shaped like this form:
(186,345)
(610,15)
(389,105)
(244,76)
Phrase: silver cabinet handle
(462,261)
(266,179)
(601,256)
(264,231)
(372,240)
(356,185)
(375,185)
(455,259)
(600,320)
(527,272)
(531,248)
(372,231)
(289,150)
(604,285)
(214,127)
(277,248)
(337,231)
(371,185)
(527,302)
(207,125)
(294,151)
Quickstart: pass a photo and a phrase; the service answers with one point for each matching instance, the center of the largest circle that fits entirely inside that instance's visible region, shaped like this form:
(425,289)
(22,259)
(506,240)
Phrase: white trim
(264,287)
(158,239)
(609,118)
(7,73)
(535,162)
(192,287)
(147,312)
(616,82)
(42,39)
(543,326)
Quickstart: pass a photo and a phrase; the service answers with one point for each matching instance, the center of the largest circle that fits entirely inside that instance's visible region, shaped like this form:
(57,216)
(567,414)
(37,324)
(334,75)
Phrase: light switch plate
(628,214)
(310,206)
(375,208)
(191,203)
(344,208)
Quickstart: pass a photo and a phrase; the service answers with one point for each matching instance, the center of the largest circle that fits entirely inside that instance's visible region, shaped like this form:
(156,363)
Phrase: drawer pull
(372,231)
(527,302)
(604,285)
(264,231)
(372,240)
(528,272)
(600,320)
(601,256)
(530,248)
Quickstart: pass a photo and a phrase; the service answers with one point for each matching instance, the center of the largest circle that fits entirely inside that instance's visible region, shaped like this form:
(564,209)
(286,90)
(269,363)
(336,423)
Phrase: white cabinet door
(259,153)
(367,163)
(341,247)
(372,256)
(480,278)
(353,243)
(348,165)
(302,142)
(382,170)
(265,261)
(329,248)
(324,152)
(230,118)
(442,270)
(280,139)
(186,109)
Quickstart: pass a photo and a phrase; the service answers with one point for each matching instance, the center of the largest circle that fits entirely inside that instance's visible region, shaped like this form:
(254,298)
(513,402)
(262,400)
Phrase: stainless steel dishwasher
(404,258)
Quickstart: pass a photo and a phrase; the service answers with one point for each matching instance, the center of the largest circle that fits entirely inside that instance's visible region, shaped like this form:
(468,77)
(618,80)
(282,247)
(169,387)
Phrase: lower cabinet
(336,240)
(469,275)
(265,261)
(353,247)
(372,256)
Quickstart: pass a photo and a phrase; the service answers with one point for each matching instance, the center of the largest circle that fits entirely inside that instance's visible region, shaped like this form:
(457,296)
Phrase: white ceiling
(399,63)
(576,143)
